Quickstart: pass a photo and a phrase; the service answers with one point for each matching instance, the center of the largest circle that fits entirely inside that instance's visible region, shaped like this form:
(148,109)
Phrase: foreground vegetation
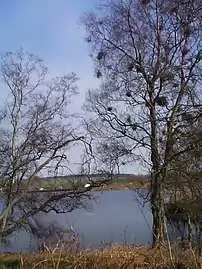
(115,257)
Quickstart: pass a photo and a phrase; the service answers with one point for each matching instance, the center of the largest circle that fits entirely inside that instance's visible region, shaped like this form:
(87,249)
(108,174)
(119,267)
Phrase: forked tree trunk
(157,207)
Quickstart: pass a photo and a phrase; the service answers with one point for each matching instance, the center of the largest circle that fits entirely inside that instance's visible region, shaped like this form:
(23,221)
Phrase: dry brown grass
(114,258)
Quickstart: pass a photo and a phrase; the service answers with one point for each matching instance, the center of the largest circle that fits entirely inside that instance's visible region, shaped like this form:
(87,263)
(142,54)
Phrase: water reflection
(116,217)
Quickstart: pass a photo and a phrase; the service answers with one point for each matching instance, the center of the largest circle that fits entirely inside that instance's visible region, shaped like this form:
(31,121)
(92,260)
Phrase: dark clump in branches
(98,74)
(131,66)
(109,108)
(161,101)
(100,55)
(128,94)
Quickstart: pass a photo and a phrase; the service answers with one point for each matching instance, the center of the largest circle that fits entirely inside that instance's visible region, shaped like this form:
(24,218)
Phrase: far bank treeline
(119,181)
(145,112)
(115,182)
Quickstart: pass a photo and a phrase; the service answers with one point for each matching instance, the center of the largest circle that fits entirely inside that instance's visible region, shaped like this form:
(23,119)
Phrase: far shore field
(118,183)
(124,185)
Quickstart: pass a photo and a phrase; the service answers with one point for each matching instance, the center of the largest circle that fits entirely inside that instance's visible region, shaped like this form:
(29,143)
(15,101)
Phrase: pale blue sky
(52,30)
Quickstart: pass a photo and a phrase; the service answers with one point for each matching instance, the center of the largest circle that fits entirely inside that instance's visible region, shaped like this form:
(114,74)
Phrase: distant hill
(99,176)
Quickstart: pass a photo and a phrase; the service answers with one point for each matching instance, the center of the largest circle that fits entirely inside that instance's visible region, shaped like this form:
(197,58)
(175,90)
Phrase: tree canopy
(147,55)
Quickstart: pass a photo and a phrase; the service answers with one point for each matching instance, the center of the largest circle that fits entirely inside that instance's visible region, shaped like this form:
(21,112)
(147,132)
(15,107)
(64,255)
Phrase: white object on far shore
(87,185)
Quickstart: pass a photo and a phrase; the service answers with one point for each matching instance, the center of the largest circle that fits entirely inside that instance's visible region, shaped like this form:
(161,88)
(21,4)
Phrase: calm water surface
(115,217)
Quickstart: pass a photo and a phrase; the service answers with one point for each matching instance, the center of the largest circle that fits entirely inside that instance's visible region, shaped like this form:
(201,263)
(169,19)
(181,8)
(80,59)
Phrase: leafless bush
(38,131)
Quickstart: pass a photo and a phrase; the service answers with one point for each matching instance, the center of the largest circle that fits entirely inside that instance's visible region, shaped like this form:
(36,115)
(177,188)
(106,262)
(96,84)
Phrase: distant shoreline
(123,186)
(120,182)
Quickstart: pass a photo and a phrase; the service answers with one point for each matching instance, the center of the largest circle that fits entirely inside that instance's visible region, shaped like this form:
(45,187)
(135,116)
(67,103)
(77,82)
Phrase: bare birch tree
(37,131)
(147,55)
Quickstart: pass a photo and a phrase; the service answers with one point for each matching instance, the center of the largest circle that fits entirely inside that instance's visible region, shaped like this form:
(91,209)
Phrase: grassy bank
(114,258)
(119,182)
(124,184)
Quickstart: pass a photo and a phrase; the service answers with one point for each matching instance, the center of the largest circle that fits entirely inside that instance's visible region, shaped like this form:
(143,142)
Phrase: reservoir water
(115,217)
